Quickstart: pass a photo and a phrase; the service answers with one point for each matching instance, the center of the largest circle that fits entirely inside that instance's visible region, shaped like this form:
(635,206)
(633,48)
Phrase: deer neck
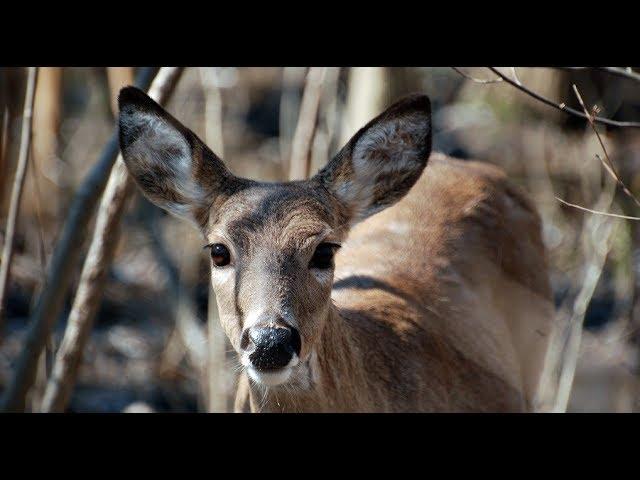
(335,379)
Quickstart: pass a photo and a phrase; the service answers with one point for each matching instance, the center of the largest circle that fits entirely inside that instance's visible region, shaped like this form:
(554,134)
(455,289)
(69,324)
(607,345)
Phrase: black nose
(273,347)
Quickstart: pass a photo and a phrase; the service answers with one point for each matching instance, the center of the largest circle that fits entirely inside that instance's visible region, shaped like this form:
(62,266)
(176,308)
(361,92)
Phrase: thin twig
(515,75)
(303,137)
(561,106)
(4,139)
(18,185)
(608,165)
(596,244)
(39,222)
(367,95)
(118,77)
(292,77)
(607,214)
(96,265)
(482,81)
(63,261)
(325,137)
(597,233)
(620,72)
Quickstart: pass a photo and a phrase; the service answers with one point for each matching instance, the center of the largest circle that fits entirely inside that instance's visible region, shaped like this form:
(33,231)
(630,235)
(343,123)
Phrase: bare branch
(367,95)
(515,75)
(620,72)
(303,137)
(118,77)
(596,241)
(607,214)
(289,111)
(18,184)
(608,165)
(477,80)
(99,258)
(4,138)
(561,106)
(65,256)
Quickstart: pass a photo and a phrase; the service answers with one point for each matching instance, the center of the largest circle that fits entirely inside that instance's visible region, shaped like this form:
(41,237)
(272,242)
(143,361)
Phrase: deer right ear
(171,165)
(383,160)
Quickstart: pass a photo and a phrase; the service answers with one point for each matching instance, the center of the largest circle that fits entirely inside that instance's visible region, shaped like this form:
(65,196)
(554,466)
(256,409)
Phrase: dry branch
(619,72)
(99,258)
(597,232)
(561,106)
(596,238)
(303,137)
(289,111)
(4,139)
(18,184)
(325,135)
(63,261)
(118,77)
(47,112)
(608,165)
(366,98)
(482,81)
(597,212)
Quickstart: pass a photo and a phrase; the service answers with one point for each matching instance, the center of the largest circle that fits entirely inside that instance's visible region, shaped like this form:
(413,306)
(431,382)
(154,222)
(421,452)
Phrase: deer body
(438,300)
(459,321)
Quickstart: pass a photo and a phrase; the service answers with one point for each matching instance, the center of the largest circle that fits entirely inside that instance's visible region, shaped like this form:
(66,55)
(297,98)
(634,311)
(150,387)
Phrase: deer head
(272,244)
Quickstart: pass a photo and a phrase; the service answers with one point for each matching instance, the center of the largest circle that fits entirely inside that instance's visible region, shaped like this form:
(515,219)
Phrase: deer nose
(271,347)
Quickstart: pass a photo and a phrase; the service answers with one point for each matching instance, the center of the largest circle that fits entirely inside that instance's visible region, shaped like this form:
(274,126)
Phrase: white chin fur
(270,379)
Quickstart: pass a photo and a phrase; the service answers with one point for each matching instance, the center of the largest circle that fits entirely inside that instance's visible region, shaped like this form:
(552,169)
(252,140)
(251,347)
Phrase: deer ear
(172,166)
(383,160)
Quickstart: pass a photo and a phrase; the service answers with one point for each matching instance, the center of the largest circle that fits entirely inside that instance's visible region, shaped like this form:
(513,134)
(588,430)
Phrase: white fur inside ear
(389,146)
(393,146)
(160,143)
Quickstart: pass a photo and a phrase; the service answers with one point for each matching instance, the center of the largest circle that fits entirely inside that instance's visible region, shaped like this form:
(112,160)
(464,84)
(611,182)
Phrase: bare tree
(303,138)
(366,98)
(292,77)
(561,106)
(18,184)
(99,258)
(47,110)
(118,77)
(63,261)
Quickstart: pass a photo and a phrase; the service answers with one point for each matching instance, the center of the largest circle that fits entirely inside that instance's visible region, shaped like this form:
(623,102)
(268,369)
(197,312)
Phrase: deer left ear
(171,165)
(383,160)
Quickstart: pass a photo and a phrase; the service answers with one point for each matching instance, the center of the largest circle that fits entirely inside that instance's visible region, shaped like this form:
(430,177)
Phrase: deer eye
(219,254)
(323,256)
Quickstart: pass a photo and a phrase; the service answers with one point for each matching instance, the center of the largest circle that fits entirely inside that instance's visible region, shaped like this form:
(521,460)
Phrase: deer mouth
(270,377)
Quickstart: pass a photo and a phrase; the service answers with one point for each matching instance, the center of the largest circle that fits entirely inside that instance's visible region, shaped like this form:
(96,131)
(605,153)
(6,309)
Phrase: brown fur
(451,315)
(439,302)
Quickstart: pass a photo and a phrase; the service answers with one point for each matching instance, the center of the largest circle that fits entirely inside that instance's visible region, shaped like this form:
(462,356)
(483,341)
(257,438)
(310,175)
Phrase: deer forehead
(277,215)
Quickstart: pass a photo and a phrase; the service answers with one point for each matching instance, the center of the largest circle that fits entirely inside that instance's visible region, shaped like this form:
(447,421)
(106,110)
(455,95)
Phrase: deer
(396,279)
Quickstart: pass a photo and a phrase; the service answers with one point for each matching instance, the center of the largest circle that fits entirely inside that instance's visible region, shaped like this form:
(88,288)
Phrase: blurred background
(147,349)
